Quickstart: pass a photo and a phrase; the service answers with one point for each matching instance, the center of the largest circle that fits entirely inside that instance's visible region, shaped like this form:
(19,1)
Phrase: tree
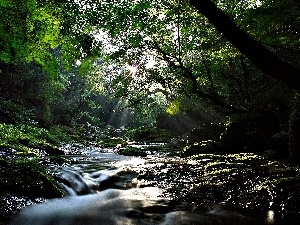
(259,55)
(26,92)
(190,55)
(148,51)
(27,31)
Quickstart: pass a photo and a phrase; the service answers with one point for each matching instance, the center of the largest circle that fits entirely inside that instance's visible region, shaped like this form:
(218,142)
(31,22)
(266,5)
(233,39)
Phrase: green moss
(112,142)
(149,134)
(178,187)
(27,177)
(204,157)
(26,138)
(161,148)
(58,159)
(22,138)
(132,151)
(223,172)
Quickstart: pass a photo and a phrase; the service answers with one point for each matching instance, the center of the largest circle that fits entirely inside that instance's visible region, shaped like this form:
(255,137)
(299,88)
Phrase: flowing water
(102,187)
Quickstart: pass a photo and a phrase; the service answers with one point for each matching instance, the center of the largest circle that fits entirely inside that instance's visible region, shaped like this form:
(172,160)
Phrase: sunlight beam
(132,69)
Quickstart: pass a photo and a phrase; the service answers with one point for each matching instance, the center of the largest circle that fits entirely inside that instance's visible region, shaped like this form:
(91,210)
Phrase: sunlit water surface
(102,187)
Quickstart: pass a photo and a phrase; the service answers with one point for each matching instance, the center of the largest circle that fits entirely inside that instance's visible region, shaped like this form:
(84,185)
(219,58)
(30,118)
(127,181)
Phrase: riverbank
(189,180)
(245,183)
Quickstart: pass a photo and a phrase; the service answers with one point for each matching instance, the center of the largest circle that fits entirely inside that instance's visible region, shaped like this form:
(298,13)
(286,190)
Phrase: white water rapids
(115,207)
(102,189)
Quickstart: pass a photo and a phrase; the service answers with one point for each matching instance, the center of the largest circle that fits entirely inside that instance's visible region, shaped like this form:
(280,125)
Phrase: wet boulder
(52,151)
(24,182)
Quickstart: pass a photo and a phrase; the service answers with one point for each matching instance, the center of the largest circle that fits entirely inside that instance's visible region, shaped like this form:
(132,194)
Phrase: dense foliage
(131,63)
(203,76)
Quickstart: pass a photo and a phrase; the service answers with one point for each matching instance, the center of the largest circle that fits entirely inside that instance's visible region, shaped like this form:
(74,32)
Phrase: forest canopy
(63,57)
(206,87)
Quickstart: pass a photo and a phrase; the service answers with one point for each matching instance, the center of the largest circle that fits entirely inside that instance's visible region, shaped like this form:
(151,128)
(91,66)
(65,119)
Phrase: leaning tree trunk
(261,57)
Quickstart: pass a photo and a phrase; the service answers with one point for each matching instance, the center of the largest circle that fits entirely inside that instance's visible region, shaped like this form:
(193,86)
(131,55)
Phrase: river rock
(53,150)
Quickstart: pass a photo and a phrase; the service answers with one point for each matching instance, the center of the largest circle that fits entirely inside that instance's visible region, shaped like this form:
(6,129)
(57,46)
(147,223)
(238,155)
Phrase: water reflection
(116,189)
(270,217)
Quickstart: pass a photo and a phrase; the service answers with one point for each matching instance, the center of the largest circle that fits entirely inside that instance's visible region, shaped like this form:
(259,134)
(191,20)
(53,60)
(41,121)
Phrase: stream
(102,187)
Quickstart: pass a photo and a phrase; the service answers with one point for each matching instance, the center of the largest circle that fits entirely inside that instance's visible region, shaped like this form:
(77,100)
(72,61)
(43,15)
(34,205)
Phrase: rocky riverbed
(245,184)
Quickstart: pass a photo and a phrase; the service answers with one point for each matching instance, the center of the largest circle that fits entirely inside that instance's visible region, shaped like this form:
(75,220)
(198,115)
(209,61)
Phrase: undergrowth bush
(27,177)
(23,137)
(149,134)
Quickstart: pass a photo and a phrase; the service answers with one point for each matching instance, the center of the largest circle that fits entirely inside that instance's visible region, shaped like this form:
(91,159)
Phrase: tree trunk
(261,57)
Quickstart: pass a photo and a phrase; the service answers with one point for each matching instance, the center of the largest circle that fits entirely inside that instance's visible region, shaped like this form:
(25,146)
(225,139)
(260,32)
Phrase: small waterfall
(68,190)
(109,207)
(75,183)
(97,172)
(106,188)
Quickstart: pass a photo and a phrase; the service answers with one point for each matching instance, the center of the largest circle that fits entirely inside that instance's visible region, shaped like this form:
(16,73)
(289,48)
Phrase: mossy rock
(52,150)
(132,151)
(58,159)
(27,177)
(165,148)
(111,142)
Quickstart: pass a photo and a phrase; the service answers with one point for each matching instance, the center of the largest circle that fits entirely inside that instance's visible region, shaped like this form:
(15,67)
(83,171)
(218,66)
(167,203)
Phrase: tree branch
(261,57)
(186,73)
